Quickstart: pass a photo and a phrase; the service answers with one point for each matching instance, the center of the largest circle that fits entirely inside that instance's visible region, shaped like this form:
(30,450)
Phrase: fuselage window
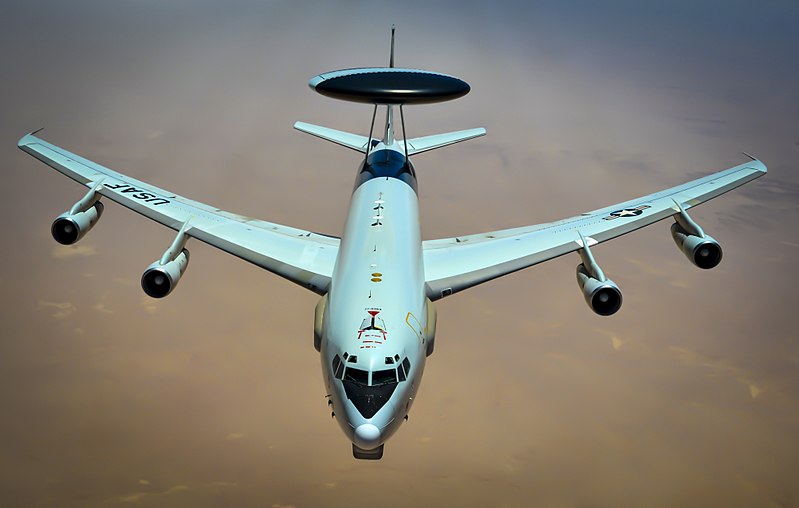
(356,376)
(384,377)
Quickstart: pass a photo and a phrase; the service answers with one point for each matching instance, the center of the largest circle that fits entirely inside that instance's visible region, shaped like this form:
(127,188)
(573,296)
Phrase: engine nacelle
(160,279)
(604,297)
(68,227)
(704,252)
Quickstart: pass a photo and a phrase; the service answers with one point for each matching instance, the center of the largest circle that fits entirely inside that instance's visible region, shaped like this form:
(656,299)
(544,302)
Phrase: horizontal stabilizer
(353,141)
(423,144)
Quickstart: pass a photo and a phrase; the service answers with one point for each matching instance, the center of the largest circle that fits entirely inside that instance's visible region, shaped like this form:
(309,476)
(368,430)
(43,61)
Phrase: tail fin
(416,145)
(391,58)
(425,143)
(391,87)
(354,141)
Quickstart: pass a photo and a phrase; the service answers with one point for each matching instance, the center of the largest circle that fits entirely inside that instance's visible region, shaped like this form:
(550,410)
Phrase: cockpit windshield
(378,377)
(383,377)
(356,376)
(369,391)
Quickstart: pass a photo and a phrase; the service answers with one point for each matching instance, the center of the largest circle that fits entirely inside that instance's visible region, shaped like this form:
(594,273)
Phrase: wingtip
(759,164)
(24,139)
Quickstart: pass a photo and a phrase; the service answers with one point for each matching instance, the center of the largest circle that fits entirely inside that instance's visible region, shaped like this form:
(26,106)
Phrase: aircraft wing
(455,264)
(303,257)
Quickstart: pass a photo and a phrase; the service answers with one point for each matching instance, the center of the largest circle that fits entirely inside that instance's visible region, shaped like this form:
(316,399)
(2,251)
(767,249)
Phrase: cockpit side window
(401,373)
(407,365)
(338,367)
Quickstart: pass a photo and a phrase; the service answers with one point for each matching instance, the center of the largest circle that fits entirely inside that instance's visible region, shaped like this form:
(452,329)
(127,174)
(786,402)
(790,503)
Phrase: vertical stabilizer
(391,58)
(388,137)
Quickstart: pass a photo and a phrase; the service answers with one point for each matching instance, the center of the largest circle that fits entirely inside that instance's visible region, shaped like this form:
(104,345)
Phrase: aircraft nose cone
(367,436)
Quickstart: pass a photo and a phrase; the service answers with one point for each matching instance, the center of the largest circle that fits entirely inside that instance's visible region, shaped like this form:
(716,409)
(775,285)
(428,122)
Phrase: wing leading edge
(303,257)
(455,264)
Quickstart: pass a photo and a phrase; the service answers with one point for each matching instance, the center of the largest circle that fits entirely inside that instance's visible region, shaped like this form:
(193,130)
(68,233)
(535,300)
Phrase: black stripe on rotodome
(403,87)
(387,164)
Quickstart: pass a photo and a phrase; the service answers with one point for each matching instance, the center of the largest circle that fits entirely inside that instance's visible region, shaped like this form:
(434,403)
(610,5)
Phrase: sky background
(689,396)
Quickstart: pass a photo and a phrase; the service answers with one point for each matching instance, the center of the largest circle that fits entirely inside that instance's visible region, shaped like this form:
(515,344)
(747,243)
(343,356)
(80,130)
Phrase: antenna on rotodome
(391,60)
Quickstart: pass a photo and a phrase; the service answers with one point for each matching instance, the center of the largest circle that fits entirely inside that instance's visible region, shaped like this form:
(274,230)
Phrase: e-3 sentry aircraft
(375,324)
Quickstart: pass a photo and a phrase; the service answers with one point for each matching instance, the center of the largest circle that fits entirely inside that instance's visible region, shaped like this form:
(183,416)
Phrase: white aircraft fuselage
(376,317)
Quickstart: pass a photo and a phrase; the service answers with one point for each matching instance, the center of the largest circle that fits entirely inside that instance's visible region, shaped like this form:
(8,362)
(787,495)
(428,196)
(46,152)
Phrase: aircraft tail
(389,86)
(415,145)
(353,141)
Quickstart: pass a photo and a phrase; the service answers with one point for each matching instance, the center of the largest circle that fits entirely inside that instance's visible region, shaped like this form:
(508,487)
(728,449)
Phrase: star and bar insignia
(626,213)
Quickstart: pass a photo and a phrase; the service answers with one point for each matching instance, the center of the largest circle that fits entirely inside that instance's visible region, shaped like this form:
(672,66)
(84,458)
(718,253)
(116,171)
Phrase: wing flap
(301,256)
(455,264)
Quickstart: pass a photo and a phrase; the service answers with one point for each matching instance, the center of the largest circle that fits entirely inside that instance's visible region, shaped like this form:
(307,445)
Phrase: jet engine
(603,296)
(161,277)
(68,227)
(601,293)
(72,225)
(701,249)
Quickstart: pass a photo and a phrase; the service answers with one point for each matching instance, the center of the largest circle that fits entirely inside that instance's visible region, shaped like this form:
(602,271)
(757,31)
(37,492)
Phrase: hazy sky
(689,396)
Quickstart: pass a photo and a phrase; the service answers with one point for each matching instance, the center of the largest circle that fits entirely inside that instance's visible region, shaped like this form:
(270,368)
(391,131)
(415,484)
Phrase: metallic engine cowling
(704,252)
(68,228)
(159,280)
(604,297)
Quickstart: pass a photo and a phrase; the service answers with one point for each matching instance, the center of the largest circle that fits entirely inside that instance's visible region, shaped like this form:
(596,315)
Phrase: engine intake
(703,251)
(603,296)
(70,227)
(159,279)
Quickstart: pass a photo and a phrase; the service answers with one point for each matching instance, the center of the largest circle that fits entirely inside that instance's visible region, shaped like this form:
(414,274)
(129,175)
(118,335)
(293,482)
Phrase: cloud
(100,307)
(718,367)
(138,496)
(234,436)
(63,309)
(221,484)
(148,304)
(72,251)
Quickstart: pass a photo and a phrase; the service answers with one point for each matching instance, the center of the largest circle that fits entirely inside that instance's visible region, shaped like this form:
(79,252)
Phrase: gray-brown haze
(214,397)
